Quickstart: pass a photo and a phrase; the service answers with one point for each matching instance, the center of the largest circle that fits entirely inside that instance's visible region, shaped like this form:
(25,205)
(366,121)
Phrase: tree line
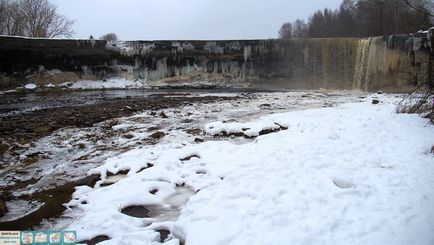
(33,18)
(364,18)
(37,18)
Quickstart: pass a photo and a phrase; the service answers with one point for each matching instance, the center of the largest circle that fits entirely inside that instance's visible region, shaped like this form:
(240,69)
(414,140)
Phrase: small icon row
(48,237)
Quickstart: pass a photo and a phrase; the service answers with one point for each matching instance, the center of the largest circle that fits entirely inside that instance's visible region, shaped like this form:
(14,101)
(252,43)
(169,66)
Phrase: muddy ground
(29,126)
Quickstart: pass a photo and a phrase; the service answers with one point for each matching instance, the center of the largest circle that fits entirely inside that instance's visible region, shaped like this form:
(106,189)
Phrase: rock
(31,160)
(88,77)
(80,146)
(432,149)
(153,128)
(127,136)
(153,191)
(3,149)
(136,211)
(188,120)
(163,115)
(157,135)
(198,140)
(375,102)
(44,129)
(164,234)
(188,158)
(194,131)
(3,208)
(95,240)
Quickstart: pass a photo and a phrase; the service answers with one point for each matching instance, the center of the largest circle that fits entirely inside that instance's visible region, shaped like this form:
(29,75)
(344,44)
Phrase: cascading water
(361,63)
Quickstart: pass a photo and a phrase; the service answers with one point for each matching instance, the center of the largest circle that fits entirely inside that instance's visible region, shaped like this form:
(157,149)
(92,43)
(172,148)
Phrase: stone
(188,158)
(157,135)
(3,149)
(127,136)
(136,211)
(194,131)
(164,234)
(95,240)
(3,208)
(375,102)
(198,140)
(44,129)
(188,120)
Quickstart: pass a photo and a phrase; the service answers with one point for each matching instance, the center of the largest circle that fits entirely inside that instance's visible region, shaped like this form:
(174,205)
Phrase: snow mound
(251,129)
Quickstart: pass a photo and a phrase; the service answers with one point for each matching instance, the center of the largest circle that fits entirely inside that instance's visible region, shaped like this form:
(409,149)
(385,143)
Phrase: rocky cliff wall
(393,63)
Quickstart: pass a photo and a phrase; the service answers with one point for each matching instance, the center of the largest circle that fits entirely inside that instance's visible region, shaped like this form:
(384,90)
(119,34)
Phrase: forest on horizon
(364,18)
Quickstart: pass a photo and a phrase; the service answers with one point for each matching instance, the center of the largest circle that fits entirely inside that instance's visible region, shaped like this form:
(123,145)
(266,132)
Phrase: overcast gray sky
(186,19)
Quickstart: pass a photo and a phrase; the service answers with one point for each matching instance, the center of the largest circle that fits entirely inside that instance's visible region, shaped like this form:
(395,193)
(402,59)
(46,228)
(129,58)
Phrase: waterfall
(361,66)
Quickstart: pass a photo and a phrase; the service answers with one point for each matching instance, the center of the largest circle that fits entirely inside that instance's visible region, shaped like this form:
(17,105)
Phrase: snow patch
(30,86)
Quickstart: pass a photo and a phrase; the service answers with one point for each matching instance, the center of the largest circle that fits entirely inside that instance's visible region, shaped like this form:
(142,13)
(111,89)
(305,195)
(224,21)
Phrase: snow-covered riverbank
(355,173)
(265,168)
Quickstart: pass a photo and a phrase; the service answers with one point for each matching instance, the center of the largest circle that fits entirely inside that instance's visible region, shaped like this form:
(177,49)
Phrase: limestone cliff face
(393,63)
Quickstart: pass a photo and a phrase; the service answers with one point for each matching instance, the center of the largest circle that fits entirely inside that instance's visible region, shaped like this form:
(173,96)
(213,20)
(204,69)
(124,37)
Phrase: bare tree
(3,5)
(109,37)
(300,29)
(42,20)
(286,31)
(13,20)
(33,18)
(424,7)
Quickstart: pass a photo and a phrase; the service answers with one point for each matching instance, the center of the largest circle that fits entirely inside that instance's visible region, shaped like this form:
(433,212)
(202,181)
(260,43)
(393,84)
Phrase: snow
(19,208)
(355,173)
(30,86)
(252,129)
(110,83)
(90,147)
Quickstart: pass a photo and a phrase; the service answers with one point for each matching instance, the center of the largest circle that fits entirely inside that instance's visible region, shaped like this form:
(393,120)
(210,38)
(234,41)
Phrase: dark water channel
(14,103)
